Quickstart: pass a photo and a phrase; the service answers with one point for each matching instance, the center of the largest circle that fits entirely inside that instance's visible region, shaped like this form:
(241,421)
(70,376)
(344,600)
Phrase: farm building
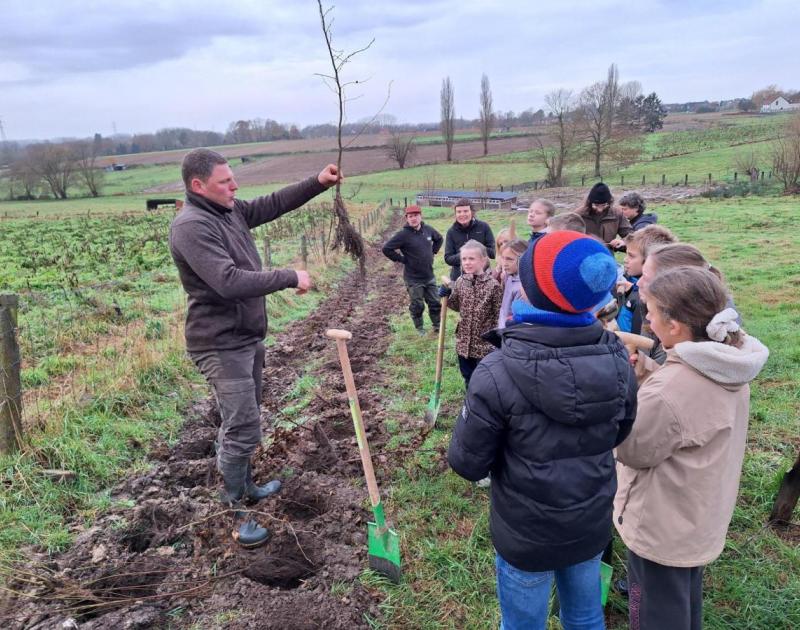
(780,104)
(489,199)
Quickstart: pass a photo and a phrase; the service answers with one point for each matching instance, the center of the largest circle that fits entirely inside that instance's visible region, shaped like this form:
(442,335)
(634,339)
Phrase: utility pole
(2,131)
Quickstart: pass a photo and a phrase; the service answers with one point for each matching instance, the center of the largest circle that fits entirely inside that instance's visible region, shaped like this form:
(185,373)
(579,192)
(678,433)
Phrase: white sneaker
(484,483)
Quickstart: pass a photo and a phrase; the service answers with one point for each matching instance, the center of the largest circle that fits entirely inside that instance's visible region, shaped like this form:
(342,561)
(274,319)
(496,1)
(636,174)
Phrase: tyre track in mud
(170,560)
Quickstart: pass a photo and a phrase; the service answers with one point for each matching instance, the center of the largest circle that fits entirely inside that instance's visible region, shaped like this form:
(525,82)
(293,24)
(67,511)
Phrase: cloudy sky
(73,68)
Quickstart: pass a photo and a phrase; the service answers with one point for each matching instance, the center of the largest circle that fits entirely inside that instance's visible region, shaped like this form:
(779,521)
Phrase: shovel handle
(341,337)
(337,333)
(631,339)
(440,348)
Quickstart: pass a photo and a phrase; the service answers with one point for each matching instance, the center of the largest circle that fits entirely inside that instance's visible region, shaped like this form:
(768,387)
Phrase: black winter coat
(458,234)
(542,415)
(415,250)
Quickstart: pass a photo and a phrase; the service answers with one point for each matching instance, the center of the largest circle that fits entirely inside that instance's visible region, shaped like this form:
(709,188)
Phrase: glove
(444,291)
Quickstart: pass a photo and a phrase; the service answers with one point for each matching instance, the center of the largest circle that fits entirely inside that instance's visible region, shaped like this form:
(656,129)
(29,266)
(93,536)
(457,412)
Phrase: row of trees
(600,120)
(55,168)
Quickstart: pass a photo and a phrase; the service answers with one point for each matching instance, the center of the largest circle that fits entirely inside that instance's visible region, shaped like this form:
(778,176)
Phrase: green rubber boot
(249,533)
(255,492)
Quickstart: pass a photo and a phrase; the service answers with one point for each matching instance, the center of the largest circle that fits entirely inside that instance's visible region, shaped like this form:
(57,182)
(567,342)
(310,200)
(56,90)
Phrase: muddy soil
(170,561)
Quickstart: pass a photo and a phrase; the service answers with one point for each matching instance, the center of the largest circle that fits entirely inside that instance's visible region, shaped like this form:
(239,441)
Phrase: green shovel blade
(605,581)
(384,551)
(432,412)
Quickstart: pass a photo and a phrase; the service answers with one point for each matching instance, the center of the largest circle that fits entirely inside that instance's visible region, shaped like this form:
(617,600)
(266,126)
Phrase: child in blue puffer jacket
(542,415)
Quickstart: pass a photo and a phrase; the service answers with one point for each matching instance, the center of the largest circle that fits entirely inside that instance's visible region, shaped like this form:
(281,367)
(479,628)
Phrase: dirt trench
(170,561)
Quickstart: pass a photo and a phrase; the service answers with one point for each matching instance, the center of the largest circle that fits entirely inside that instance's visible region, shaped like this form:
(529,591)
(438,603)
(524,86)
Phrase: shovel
(382,543)
(436,397)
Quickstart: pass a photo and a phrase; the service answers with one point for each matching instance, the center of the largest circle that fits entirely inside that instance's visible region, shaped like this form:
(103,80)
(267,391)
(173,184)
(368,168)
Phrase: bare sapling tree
(786,156)
(86,166)
(345,234)
(486,113)
(447,100)
(401,148)
(561,144)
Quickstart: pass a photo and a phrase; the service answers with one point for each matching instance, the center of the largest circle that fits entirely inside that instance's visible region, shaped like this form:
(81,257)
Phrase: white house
(780,104)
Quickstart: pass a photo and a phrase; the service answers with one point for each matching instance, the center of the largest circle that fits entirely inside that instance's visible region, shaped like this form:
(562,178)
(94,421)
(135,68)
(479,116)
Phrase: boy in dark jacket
(414,247)
(542,415)
(632,207)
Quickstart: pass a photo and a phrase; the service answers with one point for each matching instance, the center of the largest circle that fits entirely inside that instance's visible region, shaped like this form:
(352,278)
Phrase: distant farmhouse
(482,200)
(780,104)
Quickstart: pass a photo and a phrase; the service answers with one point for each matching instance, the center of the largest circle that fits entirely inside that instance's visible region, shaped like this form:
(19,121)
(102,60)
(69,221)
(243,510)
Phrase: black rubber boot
(248,534)
(256,493)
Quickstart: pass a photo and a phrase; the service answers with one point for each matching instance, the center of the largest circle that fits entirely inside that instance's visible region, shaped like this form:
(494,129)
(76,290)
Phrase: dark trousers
(236,379)
(420,294)
(662,597)
(467,366)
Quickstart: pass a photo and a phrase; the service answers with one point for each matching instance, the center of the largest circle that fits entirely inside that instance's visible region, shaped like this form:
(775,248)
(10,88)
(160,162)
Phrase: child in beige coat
(679,469)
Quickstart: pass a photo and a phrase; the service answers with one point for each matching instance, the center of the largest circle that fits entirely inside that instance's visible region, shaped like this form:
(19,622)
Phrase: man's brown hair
(199,163)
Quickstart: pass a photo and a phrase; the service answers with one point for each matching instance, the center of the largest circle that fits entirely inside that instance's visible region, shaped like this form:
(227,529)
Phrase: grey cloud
(67,42)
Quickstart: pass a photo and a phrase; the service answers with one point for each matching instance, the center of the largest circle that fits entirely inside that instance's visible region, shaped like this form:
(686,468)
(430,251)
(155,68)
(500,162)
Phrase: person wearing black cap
(414,247)
(602,219)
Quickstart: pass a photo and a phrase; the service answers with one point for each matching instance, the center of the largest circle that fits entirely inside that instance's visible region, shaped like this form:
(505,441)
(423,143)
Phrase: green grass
(442,519)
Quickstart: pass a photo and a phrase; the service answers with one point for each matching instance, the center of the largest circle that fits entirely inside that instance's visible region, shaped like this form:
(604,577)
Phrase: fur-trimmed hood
(724,364)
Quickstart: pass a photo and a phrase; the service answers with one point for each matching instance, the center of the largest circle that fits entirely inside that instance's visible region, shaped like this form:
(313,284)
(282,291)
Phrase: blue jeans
(524,596)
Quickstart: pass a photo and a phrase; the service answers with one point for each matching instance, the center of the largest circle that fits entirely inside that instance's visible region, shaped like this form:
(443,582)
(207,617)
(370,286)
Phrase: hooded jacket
(643,220)
(220,269)
(543,414)
(414,249)
(459,234)
(679,469)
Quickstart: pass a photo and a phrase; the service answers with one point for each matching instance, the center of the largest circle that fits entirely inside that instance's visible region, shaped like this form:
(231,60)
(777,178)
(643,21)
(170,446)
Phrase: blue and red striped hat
(567,272)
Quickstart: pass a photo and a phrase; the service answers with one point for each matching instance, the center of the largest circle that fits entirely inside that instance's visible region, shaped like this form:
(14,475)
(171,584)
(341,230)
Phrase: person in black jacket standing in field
(542,415)
(414,247)
(465,228)
(226,321)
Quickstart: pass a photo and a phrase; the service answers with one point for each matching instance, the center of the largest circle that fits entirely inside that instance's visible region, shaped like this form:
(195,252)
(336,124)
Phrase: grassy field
(443,520)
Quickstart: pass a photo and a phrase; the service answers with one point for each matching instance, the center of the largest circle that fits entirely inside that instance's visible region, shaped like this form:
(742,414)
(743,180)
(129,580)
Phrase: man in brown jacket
(602,219)
(226,322)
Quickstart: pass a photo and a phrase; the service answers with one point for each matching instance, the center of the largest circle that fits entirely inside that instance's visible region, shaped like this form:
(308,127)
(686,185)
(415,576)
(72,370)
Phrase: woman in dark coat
(465,227)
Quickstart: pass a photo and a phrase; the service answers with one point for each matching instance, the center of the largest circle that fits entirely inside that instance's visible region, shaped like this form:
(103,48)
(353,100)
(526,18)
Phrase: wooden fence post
(686,180)
(621,180)
(663,178)
(10,384)
(709,178)
(304,250)
(643,180)
(735,175)
(583,180)
(267,253)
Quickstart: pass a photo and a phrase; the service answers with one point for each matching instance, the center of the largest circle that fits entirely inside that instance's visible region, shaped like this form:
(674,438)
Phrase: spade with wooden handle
(435,402)
(383,543)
